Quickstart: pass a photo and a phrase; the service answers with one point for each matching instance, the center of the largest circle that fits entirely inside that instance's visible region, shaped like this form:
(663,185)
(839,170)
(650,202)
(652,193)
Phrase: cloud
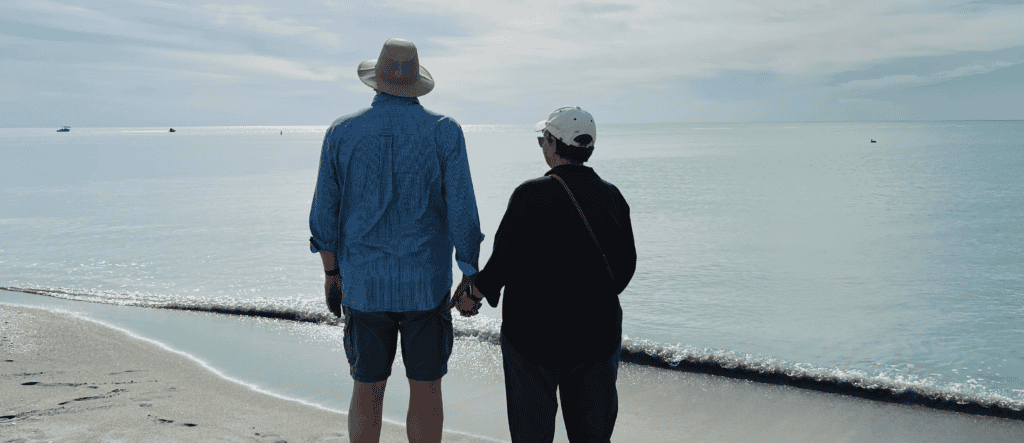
(738,58)
(905,80)
(256,64)
(603,8)
(650,40)
(254,18)
(85,21)
(737,85)
(180,25)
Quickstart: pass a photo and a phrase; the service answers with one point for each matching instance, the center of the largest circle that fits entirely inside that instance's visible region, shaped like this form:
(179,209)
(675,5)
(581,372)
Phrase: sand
(65,379)
(70,380)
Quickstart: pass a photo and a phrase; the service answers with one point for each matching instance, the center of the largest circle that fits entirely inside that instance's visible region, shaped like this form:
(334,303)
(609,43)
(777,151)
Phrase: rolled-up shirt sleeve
(463,219)
(324,217)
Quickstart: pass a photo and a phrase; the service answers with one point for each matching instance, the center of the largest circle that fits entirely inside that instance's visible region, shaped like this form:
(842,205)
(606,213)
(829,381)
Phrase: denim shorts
(371,340)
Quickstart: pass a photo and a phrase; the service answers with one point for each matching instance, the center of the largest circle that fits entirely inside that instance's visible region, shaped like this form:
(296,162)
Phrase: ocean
(799,251)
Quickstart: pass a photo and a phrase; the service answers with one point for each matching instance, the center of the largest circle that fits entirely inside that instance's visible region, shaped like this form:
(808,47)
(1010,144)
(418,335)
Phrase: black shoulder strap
(591,231)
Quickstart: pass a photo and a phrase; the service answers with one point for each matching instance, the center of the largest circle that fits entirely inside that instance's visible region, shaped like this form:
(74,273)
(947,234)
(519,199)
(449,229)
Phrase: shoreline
(71,379)
(876,389)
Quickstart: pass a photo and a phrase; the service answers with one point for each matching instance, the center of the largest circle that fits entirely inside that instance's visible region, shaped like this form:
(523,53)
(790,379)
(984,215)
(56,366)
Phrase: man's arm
(324,223)
(333,285)
(330,262)
(324,213)
(463,219)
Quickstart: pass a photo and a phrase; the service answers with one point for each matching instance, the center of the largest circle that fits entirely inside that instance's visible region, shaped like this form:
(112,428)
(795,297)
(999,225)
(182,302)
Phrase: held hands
(461,301)
(332,287)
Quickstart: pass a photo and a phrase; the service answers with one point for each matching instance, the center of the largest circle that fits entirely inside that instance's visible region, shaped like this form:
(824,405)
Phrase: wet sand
(65,379)
(71,380)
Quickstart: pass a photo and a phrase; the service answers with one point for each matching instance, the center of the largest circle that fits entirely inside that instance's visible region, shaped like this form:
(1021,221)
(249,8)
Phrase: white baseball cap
(567,123)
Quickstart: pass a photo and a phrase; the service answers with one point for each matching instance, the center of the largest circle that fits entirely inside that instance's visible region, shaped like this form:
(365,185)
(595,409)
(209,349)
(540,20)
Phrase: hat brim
(368,75)
(540,126)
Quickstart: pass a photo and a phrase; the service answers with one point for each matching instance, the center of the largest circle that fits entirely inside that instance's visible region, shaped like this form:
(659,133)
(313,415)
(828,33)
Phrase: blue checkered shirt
(393,199)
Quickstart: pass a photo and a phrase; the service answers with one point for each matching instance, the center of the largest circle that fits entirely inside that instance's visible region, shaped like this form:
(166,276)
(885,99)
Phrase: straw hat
(397,71)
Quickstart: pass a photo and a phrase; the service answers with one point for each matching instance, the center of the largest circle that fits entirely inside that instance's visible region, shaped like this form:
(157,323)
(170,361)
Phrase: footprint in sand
(107,395)
(50,385)
(161,421)
(268,437)
(130,370)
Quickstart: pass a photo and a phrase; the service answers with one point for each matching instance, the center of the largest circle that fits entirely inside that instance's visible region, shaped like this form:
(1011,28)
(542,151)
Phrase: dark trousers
(590,401)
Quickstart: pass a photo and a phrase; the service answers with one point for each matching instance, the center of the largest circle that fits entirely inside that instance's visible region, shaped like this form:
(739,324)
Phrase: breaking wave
(895,387)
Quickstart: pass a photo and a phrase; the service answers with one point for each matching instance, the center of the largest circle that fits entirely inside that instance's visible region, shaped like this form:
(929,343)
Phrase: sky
(143,63)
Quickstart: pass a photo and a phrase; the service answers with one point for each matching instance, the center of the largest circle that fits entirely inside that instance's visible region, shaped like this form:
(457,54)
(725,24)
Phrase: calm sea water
(799,248)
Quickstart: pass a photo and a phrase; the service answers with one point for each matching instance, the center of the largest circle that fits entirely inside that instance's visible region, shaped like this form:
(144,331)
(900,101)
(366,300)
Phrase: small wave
(968,397)
(295,308)
(902,389)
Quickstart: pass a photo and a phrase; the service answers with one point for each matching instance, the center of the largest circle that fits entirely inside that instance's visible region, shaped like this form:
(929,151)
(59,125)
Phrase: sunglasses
(540,141)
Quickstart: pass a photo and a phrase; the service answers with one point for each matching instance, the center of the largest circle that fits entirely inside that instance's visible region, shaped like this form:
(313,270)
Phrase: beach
(70,379)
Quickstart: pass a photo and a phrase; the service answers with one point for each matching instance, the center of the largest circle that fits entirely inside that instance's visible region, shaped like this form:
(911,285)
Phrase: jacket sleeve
(495,274)
(624,263)
(324,217)
(463,219)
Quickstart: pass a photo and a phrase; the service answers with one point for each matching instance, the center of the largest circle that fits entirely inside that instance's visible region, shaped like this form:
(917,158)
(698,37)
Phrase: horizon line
(531,124)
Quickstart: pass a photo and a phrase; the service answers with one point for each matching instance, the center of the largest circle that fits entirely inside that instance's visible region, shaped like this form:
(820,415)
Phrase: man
(393,197)
(562,272)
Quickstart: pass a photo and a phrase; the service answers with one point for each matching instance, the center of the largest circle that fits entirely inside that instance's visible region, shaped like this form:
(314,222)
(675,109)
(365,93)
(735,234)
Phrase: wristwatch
(336,271)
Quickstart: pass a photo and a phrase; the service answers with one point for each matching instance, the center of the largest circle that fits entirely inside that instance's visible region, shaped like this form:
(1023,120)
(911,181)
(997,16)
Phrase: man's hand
(461,300)
(467,307)
(332,288)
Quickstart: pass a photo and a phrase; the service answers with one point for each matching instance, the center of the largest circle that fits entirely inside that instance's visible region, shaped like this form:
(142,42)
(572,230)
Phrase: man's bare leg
(426,415)
(364,411)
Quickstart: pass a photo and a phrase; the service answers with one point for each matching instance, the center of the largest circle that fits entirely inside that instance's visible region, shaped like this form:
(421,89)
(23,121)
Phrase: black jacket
(561,306)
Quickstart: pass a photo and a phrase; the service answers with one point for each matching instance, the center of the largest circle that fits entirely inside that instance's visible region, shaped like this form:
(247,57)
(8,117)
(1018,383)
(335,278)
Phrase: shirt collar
(388,99)
(569,169)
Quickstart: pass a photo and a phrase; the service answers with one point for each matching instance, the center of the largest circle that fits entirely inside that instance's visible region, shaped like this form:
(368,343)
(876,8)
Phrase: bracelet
(336,271)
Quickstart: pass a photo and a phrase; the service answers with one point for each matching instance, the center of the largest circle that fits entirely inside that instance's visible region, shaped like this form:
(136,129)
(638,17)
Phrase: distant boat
(64,129)
(172,130)
(873,141)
